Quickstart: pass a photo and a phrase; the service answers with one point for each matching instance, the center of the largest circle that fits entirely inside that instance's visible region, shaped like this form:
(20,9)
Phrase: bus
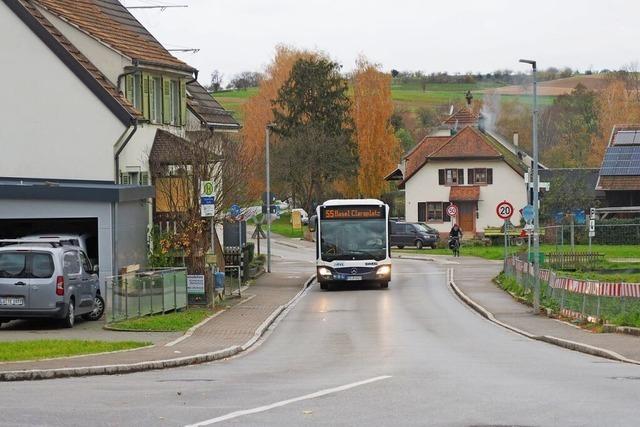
(352,242)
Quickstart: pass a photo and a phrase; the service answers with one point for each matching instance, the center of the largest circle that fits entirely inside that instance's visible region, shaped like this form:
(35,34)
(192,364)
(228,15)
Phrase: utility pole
(267,128)
(536,190)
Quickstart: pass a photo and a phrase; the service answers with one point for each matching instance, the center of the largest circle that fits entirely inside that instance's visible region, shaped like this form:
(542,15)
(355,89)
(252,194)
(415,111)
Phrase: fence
(606,233)
(142,293)
(581,299)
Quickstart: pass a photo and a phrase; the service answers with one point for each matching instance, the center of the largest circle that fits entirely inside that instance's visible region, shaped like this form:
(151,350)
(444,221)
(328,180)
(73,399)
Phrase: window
(436,212)
(41,266)
(155,100)
(134,178)
(451,176)
(71,263)
(13,265)
(480,176)
(86,264)
(175,103)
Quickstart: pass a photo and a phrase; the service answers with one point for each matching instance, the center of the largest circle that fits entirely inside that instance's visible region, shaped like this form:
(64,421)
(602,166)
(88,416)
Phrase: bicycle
(454,245)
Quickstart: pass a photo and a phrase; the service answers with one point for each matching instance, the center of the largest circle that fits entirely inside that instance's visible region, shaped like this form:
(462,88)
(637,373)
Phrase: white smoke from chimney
(516,138)
(490,110)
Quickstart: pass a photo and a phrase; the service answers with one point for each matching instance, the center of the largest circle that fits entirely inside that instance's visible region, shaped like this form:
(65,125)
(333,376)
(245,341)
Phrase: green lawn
(49,349)
(283,227)
(179,321)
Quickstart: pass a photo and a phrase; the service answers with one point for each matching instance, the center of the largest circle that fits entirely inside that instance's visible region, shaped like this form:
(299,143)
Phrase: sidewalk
(227,334)
(473,276)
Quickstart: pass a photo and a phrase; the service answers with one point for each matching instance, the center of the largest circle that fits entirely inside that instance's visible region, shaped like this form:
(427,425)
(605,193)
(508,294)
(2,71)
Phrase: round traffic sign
(504,210)
(452,210)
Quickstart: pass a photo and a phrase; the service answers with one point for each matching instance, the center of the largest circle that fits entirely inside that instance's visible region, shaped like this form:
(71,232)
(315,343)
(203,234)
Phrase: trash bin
(219,281)
(540,257)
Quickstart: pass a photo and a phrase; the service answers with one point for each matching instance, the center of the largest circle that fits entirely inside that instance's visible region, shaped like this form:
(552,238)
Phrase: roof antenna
(161,7)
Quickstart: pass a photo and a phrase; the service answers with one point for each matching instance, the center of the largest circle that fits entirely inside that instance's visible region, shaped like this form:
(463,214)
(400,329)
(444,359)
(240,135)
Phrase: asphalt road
(409,355)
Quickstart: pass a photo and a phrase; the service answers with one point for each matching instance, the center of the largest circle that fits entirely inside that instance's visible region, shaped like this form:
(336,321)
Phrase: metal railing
(575,298)
(148,292)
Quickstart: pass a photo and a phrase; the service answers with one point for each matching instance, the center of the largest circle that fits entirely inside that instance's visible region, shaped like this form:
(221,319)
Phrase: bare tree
(203,156)
(216,81)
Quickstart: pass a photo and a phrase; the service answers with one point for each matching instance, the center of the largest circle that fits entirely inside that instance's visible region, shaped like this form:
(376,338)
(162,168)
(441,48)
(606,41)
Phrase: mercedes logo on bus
(354,271)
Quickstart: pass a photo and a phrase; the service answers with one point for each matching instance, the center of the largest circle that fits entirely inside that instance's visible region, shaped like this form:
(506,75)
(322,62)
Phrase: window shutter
(460,176)
(471,176)
(489,176)
(422,211)
(166,101)
(445,217)
(441,176)
(124,178)
(145,96)
(128,87)
(144,178)
(183,102)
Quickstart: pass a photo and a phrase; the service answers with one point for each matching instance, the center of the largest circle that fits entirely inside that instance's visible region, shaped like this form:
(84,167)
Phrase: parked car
(303,215)
(47,279)
(416,234)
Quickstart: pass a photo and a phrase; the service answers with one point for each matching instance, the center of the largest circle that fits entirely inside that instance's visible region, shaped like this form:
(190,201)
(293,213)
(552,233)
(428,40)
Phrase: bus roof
(353,202)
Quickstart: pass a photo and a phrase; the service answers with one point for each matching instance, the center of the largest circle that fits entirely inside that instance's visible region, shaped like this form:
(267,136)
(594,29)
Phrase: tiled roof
(418,156)
(166,148)
(619,183)
(468,143)
(110,22)
(75,60)
(207,109)
(463,117)
(468,193)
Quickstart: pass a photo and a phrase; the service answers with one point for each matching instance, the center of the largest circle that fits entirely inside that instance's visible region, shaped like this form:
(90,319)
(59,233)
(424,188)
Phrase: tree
(567,194)
(315,93)
(313,106)
(428,117)
(206,156)
(378,147)
(245,80)
(258,111)
(406,140)
(216,81)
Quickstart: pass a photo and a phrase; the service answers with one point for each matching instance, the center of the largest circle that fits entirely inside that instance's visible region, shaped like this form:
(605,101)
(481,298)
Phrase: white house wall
(107,60)
(507,185)
(135,156)
(53,126)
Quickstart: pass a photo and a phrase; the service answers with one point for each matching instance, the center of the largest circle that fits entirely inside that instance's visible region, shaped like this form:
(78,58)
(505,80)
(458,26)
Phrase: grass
(179,321)
(49,349)
(283,227)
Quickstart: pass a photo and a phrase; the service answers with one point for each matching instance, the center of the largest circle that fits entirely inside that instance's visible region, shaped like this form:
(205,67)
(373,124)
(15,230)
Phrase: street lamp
(268,197)
(536,189)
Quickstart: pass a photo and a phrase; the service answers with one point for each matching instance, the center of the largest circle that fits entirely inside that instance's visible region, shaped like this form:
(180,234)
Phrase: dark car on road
(415,234)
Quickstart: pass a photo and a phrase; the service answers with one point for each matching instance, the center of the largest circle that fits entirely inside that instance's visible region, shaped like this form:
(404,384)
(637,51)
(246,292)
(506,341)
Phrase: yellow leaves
(378,148)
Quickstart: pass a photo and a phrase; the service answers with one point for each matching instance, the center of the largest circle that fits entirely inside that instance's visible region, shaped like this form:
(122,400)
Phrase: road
(410,355)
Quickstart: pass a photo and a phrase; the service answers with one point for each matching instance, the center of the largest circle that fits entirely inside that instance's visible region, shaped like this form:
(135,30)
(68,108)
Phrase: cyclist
(455,235)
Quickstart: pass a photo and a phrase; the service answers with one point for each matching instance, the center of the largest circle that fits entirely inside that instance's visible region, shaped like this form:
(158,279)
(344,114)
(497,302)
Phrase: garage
(113,218)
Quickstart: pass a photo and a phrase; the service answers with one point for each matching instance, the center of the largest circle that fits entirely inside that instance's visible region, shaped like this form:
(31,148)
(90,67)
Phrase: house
(469,169)
(91,92)
(619,177)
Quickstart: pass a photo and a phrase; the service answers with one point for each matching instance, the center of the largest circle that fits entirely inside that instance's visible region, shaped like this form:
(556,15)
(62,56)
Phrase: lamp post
(267,129)
(536,189)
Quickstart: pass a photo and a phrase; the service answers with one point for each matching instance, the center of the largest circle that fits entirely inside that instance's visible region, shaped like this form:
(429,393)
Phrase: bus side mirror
(313,223)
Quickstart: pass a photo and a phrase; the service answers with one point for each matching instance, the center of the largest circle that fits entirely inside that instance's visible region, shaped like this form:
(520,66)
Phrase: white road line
(287,402)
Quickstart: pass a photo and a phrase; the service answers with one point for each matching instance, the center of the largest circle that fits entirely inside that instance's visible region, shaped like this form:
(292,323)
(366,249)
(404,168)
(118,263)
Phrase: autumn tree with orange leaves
(378,148)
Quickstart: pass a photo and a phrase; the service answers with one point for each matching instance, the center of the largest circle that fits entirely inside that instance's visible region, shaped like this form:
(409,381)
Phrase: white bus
(352,242)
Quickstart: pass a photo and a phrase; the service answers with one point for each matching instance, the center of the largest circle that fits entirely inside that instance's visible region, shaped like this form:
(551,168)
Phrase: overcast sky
(454,36)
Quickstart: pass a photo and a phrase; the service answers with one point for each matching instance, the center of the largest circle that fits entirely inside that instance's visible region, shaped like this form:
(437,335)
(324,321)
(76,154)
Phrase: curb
(44,374)
(561,342)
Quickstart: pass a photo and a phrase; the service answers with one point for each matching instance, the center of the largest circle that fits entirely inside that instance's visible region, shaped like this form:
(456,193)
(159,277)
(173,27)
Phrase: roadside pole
(268,201)
(504,210)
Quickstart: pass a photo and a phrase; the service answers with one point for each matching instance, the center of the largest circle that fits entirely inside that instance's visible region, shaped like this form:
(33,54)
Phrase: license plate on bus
(350,278)
(12,301)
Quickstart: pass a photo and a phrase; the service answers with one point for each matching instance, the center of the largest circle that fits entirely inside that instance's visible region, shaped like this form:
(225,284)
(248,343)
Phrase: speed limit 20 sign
(504,210)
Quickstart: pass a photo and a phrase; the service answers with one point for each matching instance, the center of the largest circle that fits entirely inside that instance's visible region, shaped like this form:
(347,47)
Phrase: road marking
(288,401)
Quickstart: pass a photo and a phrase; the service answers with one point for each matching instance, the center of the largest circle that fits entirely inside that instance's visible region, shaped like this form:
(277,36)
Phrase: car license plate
(12,301)
(350,278)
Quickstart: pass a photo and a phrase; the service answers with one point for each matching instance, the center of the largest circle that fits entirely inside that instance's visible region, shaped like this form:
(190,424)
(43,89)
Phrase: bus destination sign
(352,212)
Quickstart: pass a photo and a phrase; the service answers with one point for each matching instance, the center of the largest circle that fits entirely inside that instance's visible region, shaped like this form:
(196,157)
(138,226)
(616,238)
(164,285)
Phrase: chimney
(515,138)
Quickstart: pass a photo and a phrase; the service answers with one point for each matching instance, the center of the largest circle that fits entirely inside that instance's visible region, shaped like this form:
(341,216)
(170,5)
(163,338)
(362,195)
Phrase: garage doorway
(88,227)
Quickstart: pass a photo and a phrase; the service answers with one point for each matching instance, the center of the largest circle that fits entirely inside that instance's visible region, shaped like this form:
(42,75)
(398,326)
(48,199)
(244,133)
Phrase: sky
(454,36)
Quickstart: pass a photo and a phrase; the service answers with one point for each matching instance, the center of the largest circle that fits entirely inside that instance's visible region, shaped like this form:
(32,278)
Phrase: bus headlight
(384,270)
(324,272)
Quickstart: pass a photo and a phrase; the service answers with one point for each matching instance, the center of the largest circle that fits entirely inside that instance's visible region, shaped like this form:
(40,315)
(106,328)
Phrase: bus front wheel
(324,286)
(384,285)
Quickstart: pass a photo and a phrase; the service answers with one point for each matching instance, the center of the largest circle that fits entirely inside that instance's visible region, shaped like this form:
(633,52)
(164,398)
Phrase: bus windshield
(353,239)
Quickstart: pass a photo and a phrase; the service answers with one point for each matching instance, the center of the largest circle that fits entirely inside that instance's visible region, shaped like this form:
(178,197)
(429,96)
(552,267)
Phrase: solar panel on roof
(622,160)
(627,137)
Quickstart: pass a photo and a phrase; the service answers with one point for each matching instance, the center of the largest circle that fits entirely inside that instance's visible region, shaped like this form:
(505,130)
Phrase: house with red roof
(470,169)
(89,93)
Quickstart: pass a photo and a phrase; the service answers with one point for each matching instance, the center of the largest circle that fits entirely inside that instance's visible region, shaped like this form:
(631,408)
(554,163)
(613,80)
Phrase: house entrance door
(467,218)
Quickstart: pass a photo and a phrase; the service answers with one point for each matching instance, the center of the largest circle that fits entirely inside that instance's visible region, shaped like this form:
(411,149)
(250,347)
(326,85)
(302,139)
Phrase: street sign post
(208,207)
(452,211)
(528,214)
(505,211)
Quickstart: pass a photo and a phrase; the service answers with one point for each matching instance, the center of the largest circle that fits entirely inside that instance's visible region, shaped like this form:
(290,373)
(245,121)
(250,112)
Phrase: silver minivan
(46,279)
